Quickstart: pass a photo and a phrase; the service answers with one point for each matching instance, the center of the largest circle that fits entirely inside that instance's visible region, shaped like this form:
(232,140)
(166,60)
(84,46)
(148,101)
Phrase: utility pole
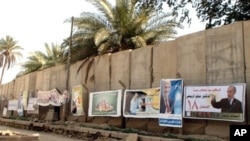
(67,105)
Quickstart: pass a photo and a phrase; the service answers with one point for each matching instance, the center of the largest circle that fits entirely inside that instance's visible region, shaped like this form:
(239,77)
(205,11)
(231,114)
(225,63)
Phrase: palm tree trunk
(4,65)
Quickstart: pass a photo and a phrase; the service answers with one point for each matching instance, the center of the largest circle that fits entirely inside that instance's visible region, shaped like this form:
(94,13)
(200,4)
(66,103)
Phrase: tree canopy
(9,53)
(39,60)
(122,26)
(212,12)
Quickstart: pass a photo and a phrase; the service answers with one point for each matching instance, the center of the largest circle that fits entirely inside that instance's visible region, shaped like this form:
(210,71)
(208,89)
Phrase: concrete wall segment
(191,59)
(141,66)
(225,60)
(164,62)
(32,84)
(39,80)
(120,69)
(75,78)
(246,43)
(46,79)
(102,72)
(215,56)
(54,77)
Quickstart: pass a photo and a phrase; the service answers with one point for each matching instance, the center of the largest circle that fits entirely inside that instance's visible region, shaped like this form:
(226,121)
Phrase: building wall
(215,56)
(246,44)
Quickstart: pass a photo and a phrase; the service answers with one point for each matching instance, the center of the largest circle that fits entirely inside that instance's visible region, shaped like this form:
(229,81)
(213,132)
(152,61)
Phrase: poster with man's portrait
(105,103)
(141,103)
(170,113)
(215,102)
(77,101)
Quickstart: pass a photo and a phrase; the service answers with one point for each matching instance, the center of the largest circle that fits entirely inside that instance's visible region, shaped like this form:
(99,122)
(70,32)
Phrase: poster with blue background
(171,102)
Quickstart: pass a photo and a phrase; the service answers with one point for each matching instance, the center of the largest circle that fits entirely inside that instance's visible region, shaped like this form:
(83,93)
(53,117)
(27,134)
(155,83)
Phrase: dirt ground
(43,136)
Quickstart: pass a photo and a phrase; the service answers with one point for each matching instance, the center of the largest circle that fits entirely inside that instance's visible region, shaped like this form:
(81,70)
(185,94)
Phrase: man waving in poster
(229,104)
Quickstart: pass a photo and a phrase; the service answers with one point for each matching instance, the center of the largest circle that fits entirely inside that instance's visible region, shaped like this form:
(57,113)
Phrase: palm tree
(9,53)
(116,28)
(120,27)
(39,60)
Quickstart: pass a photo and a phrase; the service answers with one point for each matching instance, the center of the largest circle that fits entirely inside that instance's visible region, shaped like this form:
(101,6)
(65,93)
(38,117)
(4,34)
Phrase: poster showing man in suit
(215,102)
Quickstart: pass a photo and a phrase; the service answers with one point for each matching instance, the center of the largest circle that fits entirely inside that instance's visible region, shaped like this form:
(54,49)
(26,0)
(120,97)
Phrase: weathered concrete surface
(88,81)
(120,78)
(32,85)
(120,70)
(137,123)
(39,80)
(191,64)
(153,127)
(218,128)
(55,77)
(164,62)
(191,60)
(61,85)
(246,43)
(75,77)
(7,90)
(21,84)
(224,51)
(225,64)
(140,78)
(102,72)
(46,79)
(141,68)
(102,80)
(215,56)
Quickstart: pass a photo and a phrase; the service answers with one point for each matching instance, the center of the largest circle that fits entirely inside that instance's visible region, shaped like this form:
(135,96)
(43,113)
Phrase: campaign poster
(215,102)
(32,107)
(52,97)
(105,103)
(141,103)
(5,110)
(170,113)
(25,100)
(77,100)
(20,106)
(12,105)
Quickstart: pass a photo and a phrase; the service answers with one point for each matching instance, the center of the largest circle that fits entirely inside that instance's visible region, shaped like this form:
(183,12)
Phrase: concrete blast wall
(215,56)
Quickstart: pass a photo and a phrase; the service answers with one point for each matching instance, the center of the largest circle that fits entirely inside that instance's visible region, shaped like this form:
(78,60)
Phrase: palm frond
(96,18)
(101,36)
(139,41)
(105,8)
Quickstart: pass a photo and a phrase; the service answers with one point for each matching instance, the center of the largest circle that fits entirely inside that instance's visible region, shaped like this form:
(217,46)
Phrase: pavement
(43,136)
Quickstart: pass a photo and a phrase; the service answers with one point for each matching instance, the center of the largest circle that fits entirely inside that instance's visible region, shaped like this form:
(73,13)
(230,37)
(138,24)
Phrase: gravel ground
(43,136)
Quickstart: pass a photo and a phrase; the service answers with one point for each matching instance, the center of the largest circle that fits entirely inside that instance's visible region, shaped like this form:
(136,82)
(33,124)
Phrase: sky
(32,23)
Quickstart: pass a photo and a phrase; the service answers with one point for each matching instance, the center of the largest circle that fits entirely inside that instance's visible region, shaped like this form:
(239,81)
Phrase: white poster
(32,106)
(5,110)
(219,102)
(52,97)
(13,105)
(105,103)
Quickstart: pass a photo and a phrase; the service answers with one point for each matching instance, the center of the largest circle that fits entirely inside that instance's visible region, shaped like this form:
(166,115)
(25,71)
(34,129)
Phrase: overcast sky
(35,22)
